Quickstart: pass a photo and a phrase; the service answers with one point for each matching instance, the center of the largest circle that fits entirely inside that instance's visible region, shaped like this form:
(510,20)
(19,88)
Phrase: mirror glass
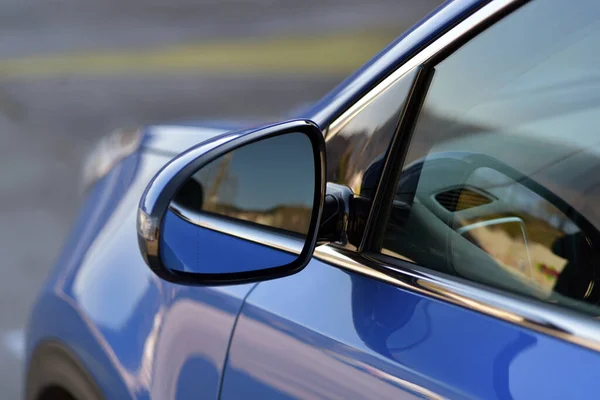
(248,210)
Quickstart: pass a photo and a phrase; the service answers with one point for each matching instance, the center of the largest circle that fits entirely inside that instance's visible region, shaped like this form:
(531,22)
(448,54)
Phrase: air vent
(463,198)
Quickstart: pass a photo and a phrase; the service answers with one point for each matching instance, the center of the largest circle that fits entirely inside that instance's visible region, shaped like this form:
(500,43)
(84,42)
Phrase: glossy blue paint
(136,335)
(191,248)
(321,333)
(328,333)
(173,139)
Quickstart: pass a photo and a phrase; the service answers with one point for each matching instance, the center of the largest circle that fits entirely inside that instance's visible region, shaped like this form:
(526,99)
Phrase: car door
(475,275)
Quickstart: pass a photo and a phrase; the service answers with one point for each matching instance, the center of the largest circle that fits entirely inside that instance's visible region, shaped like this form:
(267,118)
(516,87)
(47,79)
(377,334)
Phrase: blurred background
(71,71)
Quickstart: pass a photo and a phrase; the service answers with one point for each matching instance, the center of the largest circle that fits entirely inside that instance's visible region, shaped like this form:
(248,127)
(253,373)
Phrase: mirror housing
(166,235)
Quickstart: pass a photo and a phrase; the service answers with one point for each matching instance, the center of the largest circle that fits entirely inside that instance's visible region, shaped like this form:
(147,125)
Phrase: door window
(501,183)
(358,142)
(357,145)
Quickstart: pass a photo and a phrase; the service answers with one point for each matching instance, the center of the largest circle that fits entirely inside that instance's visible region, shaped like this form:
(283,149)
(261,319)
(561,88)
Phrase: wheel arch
(55,372)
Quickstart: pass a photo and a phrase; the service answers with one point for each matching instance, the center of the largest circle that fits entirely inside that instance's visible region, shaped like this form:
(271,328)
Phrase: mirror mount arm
(341,221)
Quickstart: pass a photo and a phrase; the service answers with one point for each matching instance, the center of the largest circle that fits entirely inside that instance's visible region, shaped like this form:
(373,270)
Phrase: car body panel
(322,333)
(137,335)
(330,333)
(174,139)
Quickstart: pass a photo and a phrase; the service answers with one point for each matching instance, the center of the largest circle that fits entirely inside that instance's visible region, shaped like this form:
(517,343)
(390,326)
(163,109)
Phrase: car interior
(471,215)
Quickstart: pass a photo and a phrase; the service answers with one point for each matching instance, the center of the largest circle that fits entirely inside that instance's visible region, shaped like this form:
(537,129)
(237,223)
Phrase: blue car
(429,229)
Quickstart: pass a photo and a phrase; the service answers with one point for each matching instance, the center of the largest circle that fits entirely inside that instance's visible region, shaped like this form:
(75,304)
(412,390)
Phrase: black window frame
(372,241)
(404,87)
(370,250)
(561,323)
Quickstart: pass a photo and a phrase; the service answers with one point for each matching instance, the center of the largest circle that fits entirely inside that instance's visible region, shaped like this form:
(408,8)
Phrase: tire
(54,373)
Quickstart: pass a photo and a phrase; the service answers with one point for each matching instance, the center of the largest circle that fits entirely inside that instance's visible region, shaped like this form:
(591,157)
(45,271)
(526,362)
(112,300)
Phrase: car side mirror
(239,208)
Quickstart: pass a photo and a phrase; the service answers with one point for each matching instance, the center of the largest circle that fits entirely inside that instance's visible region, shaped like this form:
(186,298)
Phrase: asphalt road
(71,71)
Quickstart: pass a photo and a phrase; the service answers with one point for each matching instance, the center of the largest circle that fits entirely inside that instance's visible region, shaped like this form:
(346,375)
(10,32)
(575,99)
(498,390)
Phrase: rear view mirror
(241,208)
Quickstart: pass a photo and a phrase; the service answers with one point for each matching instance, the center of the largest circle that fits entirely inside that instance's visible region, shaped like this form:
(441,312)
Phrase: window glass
(356,150)
(502,178)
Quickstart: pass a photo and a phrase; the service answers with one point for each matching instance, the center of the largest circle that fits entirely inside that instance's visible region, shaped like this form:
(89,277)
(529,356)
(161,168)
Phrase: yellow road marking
(333,53)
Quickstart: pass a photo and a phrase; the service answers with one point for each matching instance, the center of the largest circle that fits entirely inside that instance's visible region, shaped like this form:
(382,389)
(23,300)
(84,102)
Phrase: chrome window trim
(438,47)
(529,313)
(545,318)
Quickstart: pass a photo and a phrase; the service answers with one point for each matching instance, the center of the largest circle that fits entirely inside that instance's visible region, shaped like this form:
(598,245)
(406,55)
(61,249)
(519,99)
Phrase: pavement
(71,71)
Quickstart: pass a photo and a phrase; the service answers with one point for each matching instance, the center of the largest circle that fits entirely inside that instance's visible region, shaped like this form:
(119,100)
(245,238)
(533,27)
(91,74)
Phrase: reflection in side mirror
(248,210)
(221,218)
